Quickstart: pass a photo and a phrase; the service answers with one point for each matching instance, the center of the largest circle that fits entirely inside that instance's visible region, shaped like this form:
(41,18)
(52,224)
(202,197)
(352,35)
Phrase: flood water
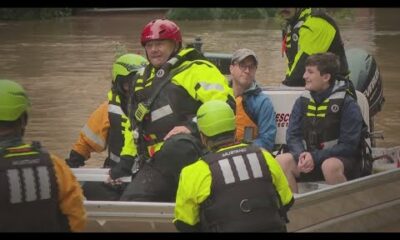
(65,64)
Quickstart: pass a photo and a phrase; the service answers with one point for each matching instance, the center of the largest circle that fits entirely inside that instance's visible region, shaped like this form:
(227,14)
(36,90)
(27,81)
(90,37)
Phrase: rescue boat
(370,203)
(364,204)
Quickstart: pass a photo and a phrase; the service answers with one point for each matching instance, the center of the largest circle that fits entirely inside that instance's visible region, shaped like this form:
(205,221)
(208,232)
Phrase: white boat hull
(364,204)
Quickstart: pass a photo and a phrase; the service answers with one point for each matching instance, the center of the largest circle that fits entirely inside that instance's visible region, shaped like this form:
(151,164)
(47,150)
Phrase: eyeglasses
(243,67)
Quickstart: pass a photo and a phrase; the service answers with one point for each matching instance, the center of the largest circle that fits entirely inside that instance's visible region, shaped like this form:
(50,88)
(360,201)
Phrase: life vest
(244,124)
(173,105)
(291,39)
(253,205)
(119,123)
(29,191)
(321,124)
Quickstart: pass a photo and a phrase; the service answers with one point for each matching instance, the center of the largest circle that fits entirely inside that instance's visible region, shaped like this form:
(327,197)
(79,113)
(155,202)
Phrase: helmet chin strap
(24,123)
(176,51)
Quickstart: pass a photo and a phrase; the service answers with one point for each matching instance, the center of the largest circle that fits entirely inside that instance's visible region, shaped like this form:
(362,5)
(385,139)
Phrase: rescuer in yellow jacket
(309,31)
(233,188)
(109,120)
(39,191)
(165,100)
(107,127)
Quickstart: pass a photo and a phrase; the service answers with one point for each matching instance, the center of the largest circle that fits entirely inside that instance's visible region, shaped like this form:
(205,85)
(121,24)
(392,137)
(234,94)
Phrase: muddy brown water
(65,64)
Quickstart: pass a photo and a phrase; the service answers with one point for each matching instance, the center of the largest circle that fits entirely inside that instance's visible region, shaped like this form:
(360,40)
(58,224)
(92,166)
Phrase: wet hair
(16,123)
(9,124)
(216,141)
(325,63)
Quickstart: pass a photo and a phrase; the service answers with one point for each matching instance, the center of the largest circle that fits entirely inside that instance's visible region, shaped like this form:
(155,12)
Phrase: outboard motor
(366,77)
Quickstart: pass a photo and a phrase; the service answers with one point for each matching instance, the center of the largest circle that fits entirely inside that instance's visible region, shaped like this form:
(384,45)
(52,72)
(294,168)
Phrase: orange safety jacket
(70,195)
(243,121)
(93,136)
(105,127)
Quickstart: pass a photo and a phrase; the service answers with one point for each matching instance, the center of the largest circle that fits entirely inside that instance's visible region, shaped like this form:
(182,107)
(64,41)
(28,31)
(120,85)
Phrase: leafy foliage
(220,13)
(33,13)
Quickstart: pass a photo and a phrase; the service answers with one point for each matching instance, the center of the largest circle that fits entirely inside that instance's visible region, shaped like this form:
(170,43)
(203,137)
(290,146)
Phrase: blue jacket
(351,124)
(260,109)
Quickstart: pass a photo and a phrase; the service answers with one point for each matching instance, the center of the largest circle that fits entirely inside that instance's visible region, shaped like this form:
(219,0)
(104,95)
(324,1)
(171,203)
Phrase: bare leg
(333,171)
(289,167)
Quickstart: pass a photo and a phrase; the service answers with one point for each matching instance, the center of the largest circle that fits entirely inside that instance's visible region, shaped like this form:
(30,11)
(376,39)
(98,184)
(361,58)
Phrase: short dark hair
(14,124)
(326,63)
(220,139)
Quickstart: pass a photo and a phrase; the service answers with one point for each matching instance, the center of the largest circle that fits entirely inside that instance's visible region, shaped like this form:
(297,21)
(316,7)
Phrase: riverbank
(100,11)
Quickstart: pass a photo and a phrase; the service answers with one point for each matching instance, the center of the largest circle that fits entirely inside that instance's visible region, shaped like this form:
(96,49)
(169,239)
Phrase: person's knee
(286,161)
(332,166)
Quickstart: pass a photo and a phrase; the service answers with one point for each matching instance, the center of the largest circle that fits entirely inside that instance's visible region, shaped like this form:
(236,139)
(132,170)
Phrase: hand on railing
(113,182)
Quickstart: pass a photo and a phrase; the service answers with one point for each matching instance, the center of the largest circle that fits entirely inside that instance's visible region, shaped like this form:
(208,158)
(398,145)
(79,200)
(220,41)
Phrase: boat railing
(362,204)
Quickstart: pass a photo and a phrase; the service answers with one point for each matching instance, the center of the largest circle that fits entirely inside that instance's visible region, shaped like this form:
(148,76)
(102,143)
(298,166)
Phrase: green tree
(33,13)
(220,13)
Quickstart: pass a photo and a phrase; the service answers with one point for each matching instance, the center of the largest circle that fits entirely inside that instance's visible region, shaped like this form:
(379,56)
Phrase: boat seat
(283,99)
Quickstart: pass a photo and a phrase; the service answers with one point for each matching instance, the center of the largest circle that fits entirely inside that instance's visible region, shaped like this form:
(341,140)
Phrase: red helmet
(161,29)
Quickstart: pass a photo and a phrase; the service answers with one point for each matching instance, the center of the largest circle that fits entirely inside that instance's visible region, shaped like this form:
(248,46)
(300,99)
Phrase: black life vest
(243,197)
(29,191)
(173,105)
(321,124)
(119,124)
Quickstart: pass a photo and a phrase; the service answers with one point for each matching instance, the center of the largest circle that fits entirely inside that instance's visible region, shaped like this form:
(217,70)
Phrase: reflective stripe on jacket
(321,125)
(195,184)
(119,124)
(36,185)
(254,196)
(106,127)
(194,80)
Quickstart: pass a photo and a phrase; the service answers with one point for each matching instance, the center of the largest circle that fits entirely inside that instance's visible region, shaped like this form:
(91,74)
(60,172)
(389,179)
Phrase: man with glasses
(255,115)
